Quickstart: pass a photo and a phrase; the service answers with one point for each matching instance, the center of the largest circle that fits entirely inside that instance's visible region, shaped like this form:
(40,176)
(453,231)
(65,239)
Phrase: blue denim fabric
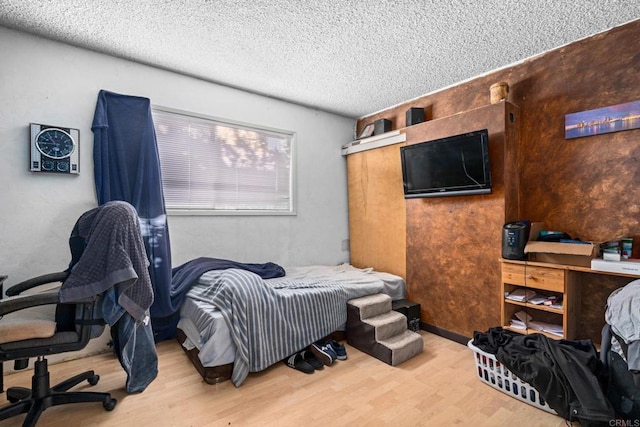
(132,342)
(111,310)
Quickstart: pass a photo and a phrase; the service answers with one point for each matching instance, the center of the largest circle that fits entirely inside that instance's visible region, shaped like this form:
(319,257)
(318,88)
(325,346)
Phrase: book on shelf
(537,299)
(532,297)
(522,320)
(520,294)
(550,328)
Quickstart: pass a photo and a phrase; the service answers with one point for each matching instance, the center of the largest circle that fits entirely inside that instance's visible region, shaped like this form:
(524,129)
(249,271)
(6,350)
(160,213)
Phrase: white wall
(43,81)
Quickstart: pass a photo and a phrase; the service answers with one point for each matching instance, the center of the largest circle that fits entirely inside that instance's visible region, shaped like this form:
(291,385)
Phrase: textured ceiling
(351,57)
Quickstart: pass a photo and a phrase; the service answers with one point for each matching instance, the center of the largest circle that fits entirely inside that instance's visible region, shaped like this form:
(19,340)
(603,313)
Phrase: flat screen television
(452,166)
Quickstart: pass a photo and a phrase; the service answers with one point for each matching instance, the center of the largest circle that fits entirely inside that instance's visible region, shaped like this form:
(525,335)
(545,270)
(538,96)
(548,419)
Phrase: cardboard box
(579,254)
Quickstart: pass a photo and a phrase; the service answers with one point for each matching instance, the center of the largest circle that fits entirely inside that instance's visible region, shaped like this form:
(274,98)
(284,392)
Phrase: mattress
(206,331)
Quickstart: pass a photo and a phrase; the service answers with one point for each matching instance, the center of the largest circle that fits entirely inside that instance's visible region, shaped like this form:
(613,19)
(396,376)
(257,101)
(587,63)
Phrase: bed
(232,322)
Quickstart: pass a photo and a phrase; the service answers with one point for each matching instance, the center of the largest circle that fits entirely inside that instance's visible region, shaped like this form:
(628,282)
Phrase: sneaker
(323,352)
(311,359)
(296,361)
(338,348)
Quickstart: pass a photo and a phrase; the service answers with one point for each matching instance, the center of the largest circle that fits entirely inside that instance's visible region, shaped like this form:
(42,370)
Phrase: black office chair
(27,337)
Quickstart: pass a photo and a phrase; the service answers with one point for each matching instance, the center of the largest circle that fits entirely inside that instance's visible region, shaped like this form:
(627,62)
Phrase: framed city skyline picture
(602,120)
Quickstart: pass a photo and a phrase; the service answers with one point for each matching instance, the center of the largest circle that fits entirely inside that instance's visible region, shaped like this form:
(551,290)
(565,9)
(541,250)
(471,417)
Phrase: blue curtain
(127,167)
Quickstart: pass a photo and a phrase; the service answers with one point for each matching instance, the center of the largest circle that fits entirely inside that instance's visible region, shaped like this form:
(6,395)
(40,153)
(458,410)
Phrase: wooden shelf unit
(548,279)
(553,279)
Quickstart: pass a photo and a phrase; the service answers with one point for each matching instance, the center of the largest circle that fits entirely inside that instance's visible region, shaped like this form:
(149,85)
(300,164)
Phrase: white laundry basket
(493,373)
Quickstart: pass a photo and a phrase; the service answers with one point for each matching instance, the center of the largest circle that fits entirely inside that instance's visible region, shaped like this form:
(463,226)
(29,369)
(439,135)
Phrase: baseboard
(453,336)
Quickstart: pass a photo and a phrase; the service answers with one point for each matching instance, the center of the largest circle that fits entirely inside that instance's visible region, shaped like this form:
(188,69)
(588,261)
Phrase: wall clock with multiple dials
(55,149)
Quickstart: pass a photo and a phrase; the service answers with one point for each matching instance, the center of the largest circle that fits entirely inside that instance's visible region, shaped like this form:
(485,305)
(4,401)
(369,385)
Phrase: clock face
(55,143)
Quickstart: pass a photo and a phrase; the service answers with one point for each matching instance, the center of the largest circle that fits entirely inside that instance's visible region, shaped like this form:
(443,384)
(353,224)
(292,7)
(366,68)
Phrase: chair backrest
(77,244)
(66,313)
(74,321)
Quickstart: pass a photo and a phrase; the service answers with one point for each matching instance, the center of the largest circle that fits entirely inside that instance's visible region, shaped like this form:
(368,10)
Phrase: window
(212,166)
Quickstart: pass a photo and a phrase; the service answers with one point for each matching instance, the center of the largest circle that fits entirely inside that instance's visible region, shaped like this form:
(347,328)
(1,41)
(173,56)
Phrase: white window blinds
(210,165)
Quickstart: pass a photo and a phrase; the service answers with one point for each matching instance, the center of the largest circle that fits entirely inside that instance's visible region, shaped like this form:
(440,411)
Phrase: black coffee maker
(514,237)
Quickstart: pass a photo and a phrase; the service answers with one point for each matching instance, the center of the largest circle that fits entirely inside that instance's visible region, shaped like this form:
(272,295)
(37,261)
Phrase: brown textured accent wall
(595,288)
(453,243)
(586,187)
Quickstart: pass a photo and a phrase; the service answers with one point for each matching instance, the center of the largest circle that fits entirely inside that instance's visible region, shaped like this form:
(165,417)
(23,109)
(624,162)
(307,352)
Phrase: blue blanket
(127,167)
(186,275)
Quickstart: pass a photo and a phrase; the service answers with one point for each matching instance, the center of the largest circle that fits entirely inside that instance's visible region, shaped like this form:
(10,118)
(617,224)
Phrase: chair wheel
(109,404)
(94,379)
(16,394)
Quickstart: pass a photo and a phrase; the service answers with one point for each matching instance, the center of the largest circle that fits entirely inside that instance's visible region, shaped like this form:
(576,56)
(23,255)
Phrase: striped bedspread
(272,319)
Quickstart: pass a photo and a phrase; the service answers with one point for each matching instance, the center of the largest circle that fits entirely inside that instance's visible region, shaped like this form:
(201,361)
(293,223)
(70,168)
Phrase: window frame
(249,126)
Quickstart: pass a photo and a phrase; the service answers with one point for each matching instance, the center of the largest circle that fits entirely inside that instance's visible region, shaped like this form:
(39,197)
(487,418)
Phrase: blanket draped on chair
(114,266)
(114,256)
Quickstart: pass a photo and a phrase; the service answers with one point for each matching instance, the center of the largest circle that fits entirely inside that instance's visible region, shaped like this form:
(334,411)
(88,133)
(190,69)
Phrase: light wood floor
(436,388)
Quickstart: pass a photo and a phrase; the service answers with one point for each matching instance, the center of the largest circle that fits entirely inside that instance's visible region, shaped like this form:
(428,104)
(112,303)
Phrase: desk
(559,280)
